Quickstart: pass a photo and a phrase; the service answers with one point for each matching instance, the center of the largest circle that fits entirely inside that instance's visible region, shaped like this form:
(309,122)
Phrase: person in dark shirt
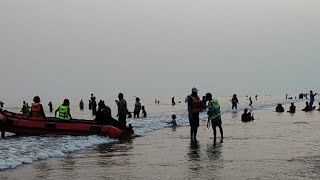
(172,101)
(94,106)
(246,116)
(319,107)
(173,122)
(279,108)
(90,105)
(307,108)
(50,106)
(103,114)
(234,101)
(203,103)
(144,113)
(250,101)
(81,105)
(292,108)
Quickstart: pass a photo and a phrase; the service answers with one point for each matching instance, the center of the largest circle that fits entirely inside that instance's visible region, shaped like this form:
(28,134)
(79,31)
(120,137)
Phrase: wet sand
(274,146)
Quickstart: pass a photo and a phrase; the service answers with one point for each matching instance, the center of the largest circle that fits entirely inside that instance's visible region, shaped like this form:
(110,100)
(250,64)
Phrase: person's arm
(55,113)
(208,123)
(69,113)
(42,111)
(189,104)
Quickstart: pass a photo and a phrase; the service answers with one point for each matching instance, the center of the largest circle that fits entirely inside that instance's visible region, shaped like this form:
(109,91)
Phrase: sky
(158,48)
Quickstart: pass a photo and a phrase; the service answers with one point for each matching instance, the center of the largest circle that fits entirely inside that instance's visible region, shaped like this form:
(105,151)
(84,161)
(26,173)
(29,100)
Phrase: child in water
(173,122)
(144,113)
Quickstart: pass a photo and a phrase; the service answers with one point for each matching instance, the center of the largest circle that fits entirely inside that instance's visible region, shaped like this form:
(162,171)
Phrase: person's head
(81,100)
(66,102)
(194,91)
(245,110)
(279,105)
(311,92)
(292,104)
(307,103)
(208,96)
(234,95)
(100,103)
(137,99)
(24,102)
(203,97)
(36,99)
(173,116)
(91,94)
(120,96)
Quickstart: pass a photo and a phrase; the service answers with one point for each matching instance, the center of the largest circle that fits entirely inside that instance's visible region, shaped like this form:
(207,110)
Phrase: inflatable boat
(23,125)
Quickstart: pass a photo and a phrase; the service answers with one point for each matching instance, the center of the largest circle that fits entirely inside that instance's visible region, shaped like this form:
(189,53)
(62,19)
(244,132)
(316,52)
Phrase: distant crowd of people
(195,106)
(309,104)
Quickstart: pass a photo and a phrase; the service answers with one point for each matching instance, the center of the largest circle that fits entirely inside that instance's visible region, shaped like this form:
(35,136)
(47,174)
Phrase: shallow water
(15,151)
(274,146)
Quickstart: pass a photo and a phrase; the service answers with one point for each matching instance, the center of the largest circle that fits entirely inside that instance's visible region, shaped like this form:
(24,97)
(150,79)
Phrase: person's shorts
(194,119)
(216,122)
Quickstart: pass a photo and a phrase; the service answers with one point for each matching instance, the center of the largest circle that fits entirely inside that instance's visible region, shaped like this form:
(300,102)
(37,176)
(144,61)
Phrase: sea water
(15,151)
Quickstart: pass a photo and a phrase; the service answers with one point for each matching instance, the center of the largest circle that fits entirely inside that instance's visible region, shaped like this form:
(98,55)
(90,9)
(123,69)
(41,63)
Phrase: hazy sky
(158,48)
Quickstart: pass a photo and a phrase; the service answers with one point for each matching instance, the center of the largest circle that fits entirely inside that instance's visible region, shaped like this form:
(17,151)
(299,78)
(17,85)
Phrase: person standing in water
(50,106)
(137,108)
(94,106)
(172,101)
(194,107)
(203,103)
(122,109)
(250,101)
(312,98)
(234,102)
(144,113)
(25,108)
(214,116)
(81,105)
(90,104)
(256,97)
(1,104)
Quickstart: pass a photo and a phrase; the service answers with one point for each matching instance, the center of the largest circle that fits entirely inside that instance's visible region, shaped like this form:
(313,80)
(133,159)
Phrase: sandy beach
(274,146)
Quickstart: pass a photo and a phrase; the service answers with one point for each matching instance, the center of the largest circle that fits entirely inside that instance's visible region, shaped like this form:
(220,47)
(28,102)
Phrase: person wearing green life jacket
(214,116)
(64,111)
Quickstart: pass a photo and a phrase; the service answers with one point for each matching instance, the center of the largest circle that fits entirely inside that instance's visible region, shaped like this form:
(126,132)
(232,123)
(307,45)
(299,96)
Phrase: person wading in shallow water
(214,115)
(122,109)
(194,107)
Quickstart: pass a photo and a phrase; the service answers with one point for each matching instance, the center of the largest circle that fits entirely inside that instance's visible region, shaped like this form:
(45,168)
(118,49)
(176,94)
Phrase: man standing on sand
(194,107)
(122,109)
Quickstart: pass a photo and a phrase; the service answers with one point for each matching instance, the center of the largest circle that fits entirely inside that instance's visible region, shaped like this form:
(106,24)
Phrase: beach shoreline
(275,145)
